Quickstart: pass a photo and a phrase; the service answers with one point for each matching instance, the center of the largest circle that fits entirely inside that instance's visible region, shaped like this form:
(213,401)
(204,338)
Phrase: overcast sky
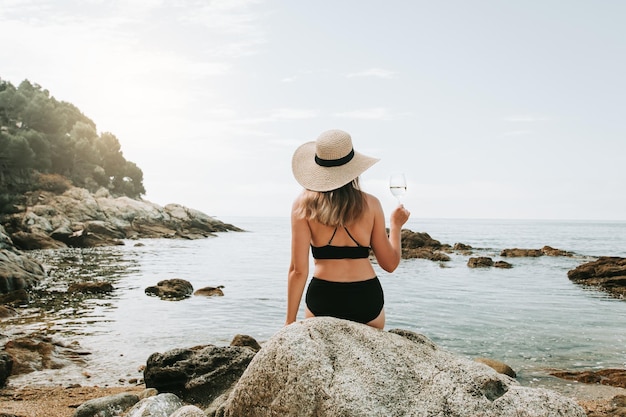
(493,109)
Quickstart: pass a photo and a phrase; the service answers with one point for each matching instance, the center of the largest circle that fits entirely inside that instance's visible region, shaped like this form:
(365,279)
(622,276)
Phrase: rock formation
(78,218)
(330,367)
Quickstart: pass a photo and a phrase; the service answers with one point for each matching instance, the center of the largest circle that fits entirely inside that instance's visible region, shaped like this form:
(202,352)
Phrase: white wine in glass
(397,186)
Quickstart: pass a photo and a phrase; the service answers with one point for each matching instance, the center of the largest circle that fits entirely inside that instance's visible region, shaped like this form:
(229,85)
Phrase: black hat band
(334,162)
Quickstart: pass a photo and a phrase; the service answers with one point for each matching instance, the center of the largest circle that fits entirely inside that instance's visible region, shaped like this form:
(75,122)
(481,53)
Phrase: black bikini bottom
(360,301)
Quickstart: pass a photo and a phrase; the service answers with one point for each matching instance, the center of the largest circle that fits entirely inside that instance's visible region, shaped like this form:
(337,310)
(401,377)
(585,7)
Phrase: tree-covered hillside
(50,144)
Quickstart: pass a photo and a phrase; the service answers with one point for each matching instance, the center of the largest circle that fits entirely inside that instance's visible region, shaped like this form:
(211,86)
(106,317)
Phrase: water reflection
(54,310)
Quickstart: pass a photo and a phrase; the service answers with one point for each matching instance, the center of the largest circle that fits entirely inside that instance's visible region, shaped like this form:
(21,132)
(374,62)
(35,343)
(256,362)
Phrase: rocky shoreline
(77,218)
(363,371)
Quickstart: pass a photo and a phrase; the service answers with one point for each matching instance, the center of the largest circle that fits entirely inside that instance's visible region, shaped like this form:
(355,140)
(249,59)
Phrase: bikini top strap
(333,236)
(353,239)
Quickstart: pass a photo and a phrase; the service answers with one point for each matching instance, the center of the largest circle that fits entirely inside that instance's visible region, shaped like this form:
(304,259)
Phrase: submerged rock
(210,291)
(329,367)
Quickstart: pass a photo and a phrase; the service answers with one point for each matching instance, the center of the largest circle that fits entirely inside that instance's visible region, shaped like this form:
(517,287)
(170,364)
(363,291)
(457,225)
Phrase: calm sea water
(531,316)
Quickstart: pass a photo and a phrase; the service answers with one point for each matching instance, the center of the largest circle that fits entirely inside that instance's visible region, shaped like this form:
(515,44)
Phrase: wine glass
(397,185)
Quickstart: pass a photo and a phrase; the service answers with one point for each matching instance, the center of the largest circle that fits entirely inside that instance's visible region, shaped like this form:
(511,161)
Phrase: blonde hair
(337,207)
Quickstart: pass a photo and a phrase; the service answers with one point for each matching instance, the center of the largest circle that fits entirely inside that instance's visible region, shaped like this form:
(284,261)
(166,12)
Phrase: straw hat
(329,163)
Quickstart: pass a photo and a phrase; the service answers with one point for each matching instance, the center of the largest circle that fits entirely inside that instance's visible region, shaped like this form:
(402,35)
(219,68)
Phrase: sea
(532,317)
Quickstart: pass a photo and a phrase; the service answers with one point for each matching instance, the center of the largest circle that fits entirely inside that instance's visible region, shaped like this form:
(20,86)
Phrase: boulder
(18,271)
(198,375)
(330,367)
(245,341)
(480,262)
(162,405)
(608,273)
(109,406)
(171,289)
(498,366)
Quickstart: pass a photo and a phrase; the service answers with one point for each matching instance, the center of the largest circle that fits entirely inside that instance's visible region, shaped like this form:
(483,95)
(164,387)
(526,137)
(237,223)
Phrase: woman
(340,223)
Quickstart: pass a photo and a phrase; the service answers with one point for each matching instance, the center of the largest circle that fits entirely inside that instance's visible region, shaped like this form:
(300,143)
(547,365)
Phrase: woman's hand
(399,216)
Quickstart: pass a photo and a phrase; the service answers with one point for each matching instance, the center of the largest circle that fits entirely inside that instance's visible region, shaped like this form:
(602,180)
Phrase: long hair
(337,207)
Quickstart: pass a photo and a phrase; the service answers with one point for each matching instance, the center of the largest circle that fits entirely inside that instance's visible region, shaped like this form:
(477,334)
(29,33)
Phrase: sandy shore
(58,401)
(53,401)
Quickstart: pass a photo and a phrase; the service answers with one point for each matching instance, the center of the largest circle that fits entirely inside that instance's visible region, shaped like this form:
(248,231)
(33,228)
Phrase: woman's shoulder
(372,200)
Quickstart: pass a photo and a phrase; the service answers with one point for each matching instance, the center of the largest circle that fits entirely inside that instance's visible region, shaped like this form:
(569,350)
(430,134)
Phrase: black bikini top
(340,252)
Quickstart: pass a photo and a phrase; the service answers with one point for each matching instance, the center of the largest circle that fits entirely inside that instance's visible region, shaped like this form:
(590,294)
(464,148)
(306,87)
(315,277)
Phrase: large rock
(79,218)
(197,375)
(608,273)
(330,367)
(18,271)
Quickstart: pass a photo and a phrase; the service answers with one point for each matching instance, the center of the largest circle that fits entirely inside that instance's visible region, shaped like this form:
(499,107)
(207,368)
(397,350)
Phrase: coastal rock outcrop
(534,253)
(421,245)
(330,367)
(607,272)
(79,218)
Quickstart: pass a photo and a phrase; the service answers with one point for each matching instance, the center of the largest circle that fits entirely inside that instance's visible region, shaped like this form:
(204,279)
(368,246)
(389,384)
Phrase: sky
(492,109)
